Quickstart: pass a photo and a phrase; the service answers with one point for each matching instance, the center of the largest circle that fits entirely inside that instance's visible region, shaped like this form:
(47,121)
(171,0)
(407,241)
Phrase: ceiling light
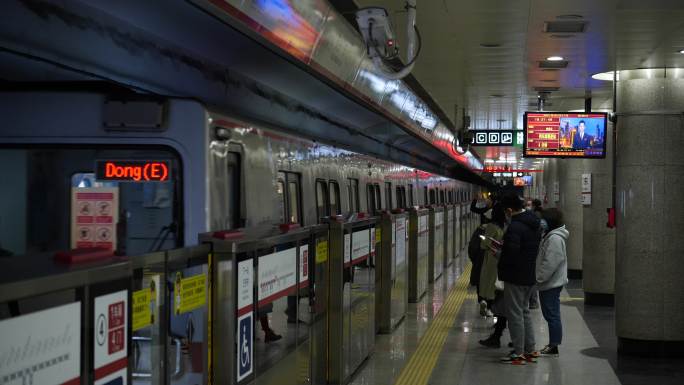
(681,51)
(554,58)
(606,76)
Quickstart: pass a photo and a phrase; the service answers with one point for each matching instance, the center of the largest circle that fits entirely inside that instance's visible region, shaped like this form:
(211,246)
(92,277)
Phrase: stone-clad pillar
(550,180)
(598,251)
(649,276)
(570,177)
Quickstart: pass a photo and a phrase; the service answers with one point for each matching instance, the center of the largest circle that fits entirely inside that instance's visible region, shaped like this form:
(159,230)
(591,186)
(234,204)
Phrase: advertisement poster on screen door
(43,347)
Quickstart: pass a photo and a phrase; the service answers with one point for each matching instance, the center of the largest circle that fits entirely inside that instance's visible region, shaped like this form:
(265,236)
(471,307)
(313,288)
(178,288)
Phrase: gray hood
(552,260)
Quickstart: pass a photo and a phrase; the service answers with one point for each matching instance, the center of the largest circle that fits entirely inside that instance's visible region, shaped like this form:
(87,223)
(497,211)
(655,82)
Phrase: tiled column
(570,177)
(649,276)
(598,250)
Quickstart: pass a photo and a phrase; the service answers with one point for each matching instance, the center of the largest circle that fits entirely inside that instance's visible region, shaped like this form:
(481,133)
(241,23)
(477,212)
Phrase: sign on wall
(303,266)
(277,275)
(360,246)
(110,348)
(94,214)
(586,189)
(502,138)
(42,347)
(245,323)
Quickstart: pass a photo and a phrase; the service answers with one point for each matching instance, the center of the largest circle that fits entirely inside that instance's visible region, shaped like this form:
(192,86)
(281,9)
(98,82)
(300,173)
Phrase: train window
(398,197)
(425,195)
(388,196)
(410,195)
(322,203)
(370,198)
(293,197)
(335,203)
(378,199)
(280,196)
(450,196)
(353,190)
(433,196)
(290,197)
(442,198)
(225,188)
(46,186)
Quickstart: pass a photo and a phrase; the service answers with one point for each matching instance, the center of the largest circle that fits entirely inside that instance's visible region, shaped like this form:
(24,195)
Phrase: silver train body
(228,172)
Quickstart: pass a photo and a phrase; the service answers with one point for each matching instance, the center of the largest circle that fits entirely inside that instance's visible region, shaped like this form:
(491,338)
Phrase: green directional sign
(504,138)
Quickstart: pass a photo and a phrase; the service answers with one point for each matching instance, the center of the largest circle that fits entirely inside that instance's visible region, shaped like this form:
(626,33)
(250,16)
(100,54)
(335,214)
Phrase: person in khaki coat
(493,236)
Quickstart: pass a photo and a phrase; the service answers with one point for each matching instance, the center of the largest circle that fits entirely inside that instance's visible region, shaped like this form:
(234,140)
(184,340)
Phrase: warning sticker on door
(94,214)
(321,251)
(141,309)
(109,343)
(190,293)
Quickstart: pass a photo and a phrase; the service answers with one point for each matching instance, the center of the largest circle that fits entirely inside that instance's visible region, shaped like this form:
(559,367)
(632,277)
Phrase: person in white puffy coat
(552,275)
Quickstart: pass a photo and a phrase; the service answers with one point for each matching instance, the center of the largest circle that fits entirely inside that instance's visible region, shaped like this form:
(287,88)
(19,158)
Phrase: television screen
(565,135)
(523,181)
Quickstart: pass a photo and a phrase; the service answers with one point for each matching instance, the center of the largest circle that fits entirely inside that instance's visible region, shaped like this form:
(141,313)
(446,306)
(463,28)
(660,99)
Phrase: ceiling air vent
(553,64)
(565,26)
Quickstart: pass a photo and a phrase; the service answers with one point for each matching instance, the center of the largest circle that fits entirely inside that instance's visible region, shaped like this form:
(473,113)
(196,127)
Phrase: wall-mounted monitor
(565,135)
(523,181)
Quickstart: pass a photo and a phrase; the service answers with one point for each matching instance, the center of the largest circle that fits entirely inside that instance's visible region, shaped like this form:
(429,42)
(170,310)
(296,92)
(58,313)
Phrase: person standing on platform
(493,298)
(482,211)
(537,210)
(552,275)
(516,269)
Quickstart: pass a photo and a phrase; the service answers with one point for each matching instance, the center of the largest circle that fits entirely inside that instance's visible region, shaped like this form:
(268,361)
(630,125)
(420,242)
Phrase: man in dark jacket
(517,270)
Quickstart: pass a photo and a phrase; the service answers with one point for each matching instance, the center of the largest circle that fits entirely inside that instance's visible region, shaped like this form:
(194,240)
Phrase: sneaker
(483,308)
(514,359)
(549,351)
(491,342)
(531,357)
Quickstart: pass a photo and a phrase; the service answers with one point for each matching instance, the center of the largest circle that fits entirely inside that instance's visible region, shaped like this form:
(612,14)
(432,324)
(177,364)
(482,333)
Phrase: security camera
(376,29)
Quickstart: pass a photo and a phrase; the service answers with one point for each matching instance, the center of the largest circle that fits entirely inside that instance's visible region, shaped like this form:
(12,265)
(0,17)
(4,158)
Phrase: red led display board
(133,170)
(565,135)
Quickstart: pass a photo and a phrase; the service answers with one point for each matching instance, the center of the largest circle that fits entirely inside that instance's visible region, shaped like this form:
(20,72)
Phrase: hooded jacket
(552,260)
(519,252)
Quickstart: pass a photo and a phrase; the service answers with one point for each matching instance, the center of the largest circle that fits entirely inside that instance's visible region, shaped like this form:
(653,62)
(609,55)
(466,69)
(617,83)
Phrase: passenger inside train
(341,192)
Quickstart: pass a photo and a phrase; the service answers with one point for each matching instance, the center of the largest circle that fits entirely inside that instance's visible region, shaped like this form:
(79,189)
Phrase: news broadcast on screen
(565,135)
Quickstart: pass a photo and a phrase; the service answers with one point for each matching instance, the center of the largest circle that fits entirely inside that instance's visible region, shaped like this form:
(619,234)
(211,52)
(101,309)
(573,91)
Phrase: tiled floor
(583,359)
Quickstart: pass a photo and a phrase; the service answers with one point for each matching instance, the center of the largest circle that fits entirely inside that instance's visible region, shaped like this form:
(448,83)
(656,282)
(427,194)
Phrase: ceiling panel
(496,84)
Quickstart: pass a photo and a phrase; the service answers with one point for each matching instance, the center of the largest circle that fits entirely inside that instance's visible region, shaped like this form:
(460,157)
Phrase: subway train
(162,171)
(223,173)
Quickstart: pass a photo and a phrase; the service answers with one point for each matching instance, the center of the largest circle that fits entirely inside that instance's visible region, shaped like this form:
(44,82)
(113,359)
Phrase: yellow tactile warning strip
(419,367)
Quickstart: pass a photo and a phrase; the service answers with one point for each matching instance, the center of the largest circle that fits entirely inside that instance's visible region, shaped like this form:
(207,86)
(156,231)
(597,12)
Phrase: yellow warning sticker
(321,251)
(142,314)
(378,234)
(191,293)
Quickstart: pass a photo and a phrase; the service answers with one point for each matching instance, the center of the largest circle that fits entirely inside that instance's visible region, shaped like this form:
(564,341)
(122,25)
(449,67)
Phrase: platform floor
(437,344)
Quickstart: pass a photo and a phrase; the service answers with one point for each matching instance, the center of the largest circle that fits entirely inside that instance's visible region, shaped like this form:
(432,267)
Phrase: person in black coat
(516,269)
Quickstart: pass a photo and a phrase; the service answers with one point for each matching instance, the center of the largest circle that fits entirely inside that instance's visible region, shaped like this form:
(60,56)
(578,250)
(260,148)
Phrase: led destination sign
(133,170)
